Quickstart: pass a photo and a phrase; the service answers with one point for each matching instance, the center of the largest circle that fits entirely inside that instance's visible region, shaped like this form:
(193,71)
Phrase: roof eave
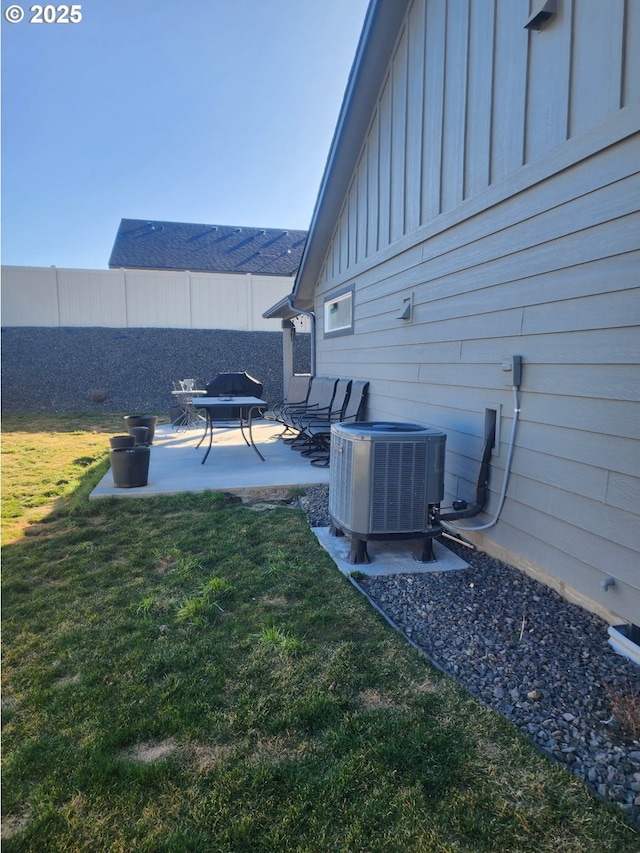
(282,310)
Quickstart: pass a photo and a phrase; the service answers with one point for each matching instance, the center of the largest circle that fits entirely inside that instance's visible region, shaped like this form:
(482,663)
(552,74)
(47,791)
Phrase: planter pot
(130,467)
(148,421)
(140,435)
(118,442)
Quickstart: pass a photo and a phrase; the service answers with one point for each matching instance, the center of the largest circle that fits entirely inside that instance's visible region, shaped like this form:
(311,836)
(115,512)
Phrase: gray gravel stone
(57,370)
(504,636)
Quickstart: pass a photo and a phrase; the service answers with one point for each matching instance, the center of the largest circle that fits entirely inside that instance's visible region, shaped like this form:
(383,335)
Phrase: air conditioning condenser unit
(385,480)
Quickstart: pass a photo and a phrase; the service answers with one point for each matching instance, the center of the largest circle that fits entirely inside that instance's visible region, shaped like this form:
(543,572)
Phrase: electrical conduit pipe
(476,509)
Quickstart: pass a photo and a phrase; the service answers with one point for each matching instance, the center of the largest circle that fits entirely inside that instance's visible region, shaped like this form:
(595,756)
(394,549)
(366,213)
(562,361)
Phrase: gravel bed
(521,649)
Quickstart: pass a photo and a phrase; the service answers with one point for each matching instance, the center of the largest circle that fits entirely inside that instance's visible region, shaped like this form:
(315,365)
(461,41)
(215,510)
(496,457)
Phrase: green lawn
(190,674)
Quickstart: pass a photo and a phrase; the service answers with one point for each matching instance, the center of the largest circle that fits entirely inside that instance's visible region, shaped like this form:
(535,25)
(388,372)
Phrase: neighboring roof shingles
(144,244)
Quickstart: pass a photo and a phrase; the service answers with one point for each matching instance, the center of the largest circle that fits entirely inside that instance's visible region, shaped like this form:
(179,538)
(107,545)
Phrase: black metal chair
(297,394)
(318,430)
(331,414)
(320,396)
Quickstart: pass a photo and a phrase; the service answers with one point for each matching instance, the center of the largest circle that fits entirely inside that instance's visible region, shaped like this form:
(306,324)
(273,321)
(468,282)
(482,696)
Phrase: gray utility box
(384,476)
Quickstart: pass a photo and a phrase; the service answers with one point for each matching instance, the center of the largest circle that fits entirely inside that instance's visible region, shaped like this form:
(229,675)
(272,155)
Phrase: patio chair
(297,394)
(318,430)
(331,413)
(320,397)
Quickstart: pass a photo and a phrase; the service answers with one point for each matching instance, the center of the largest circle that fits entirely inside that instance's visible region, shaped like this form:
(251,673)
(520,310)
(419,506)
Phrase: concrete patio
(175,465)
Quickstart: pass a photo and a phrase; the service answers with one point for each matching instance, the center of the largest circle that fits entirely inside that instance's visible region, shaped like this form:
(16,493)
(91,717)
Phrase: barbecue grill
(233,385)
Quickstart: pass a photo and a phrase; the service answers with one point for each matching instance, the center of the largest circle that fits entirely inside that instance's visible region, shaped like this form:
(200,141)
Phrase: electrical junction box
(512,369)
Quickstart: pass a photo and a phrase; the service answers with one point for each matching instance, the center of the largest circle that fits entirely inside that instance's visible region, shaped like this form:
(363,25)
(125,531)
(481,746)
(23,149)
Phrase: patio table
(248,407)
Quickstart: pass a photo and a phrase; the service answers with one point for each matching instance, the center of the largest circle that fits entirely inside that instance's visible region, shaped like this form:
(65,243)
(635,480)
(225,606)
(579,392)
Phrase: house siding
(498,186)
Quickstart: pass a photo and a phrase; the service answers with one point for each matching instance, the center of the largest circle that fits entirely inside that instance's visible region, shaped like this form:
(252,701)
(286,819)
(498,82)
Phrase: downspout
(312,317)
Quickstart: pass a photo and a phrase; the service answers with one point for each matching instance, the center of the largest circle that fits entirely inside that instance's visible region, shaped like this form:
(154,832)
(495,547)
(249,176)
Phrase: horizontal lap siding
(549,271)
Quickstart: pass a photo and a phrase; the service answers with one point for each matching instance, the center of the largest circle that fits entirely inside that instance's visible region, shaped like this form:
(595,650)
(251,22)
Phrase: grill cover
(233,385)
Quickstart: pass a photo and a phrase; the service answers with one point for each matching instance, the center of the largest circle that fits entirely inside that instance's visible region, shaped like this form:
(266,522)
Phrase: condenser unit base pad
(388,557)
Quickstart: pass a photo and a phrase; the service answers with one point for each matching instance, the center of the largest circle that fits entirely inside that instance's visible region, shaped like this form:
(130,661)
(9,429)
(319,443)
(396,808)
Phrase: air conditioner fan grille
(340,494)
(399,487)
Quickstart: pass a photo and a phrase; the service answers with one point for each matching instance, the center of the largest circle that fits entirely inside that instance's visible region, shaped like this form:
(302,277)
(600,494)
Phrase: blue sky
(212,111)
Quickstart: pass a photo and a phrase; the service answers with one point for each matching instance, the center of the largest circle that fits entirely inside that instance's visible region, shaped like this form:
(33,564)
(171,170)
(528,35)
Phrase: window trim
(335,297)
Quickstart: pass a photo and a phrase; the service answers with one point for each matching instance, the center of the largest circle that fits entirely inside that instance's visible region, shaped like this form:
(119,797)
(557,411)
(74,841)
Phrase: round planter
(148,421)
(119,442)
(130,467)
(140,435)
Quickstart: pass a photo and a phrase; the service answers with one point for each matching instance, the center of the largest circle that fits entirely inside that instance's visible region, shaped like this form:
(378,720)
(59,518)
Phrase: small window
(338,313)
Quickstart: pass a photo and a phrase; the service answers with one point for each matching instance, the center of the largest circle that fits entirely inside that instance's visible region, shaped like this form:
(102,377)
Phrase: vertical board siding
(596,72)
(435,33)
(343,264)
(455,102)
(631,66)
(547,118)
(415,97)
(384,167)
(373,184)
(509,87)
(362,223)
(479,97)
(352,224)
(470,97)
(398,140)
